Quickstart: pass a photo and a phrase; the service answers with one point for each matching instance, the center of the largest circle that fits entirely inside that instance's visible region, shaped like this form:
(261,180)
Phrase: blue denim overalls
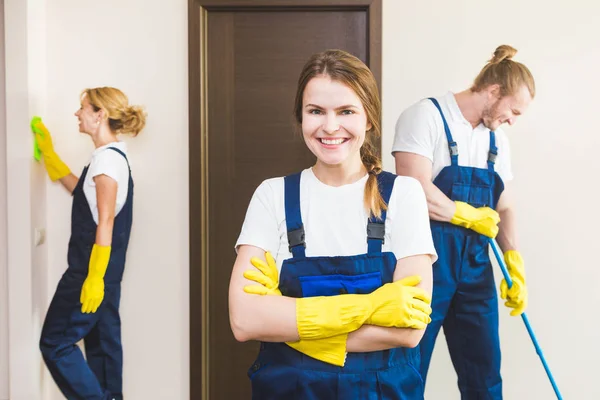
(464,293)
(100,378)
(281,372)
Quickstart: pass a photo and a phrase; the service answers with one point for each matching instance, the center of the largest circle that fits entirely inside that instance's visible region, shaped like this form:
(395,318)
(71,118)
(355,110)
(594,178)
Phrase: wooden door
(245,59)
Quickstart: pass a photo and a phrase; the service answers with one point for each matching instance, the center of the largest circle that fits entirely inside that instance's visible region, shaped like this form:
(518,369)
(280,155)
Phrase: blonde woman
(86,303)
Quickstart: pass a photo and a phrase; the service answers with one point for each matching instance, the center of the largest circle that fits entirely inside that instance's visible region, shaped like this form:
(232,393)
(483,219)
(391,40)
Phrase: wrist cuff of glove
(321,317)
(56,168)
(99,261)
(460,217)
(515,264)
(331,350)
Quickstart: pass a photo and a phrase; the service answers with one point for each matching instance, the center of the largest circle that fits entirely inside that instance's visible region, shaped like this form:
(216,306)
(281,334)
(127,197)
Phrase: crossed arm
(273,318)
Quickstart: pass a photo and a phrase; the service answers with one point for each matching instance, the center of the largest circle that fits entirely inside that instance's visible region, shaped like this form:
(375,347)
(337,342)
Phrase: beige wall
(430,47)
(25,199)
(3,228)
(141,49)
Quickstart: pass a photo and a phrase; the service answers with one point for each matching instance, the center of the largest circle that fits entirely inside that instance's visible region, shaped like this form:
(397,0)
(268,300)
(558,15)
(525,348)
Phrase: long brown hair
(343,67)
(501,70)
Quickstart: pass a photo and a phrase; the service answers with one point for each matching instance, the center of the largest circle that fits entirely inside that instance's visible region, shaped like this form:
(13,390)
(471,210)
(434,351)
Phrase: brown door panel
(253,57)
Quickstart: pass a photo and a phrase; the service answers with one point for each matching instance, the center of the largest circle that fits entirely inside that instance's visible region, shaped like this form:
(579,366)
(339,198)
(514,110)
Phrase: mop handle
(525,320)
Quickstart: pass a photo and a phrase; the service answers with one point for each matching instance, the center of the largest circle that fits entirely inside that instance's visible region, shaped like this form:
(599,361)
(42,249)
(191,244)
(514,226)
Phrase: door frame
(198,149)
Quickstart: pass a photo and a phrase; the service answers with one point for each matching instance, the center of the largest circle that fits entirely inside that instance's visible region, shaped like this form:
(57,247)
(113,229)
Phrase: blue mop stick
(525,319)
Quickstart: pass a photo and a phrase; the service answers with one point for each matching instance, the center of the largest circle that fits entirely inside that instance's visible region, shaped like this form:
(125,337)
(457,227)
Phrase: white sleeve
(410,230)
(110,163)
(504,165)
(260,228)
(416,130)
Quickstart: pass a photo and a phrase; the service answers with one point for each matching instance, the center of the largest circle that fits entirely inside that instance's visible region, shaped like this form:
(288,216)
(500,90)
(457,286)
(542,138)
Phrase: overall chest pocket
(475,195)
(333,285)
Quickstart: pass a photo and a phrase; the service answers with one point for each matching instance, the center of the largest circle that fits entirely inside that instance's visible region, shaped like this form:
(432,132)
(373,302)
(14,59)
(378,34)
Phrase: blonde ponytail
(122,117)
(501,70)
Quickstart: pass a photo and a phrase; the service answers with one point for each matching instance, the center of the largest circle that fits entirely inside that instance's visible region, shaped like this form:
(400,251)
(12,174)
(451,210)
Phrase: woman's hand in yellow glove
(401,304)
(92,292)
(331,350)
(516,296)
(267,276)
(55,167)
(42,135)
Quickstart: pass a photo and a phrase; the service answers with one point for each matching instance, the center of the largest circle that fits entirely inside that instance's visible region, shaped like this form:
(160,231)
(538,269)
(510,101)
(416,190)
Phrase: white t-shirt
(420,130)
(110,163)
(335,219)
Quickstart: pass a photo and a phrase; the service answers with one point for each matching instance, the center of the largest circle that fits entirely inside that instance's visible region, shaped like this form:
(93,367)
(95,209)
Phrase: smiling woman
(333,132)
(352,247)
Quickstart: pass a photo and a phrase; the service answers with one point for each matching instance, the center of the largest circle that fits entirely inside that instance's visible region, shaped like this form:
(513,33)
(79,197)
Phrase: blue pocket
(475,195)
(332,285)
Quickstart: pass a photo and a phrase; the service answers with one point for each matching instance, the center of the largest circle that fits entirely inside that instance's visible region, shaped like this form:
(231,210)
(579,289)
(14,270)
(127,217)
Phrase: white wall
(3,227)
(25,196)
(140,47)
(430,47)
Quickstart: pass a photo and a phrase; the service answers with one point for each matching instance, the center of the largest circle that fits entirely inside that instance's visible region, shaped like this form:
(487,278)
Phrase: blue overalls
(100,378)
(281,372)
(464,293)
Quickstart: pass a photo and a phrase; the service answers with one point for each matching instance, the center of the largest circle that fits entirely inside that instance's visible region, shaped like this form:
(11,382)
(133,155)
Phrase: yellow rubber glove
(268,277)
(516,296)
(483,220)
(413,302)
(92,292)
(54,166)
(331,350)
(399,304)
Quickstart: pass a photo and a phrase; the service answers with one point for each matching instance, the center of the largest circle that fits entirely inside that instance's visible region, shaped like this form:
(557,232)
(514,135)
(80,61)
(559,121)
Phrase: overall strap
(493,152)
(293,217)
(376,226)
(452,146)
(121,153)
(126,160)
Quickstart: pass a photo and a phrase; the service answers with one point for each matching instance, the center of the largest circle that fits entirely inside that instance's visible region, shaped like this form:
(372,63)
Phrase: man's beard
(490,115)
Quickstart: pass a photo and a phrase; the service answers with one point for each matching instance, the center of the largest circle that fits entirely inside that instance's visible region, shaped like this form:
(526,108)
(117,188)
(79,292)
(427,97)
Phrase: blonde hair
(343,67)
(122,117)
(501,70)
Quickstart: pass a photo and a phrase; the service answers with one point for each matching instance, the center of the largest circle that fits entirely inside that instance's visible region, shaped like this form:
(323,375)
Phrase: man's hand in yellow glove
(331,350)
(483,220)
(516,296)
(54,166)
(92,292)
